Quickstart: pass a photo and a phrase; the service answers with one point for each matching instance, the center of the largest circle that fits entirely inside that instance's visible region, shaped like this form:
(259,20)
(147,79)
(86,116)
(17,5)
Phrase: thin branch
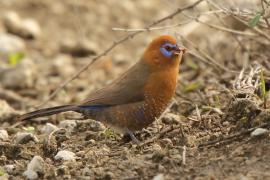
(263,8)
(237,16)
(238,13)
(227,29)
(209,60)
(153,28)
(220,27)
(166,130)
(184,154)
(115,44)
(184,23)
(233,136)
(221,20)
(258,31)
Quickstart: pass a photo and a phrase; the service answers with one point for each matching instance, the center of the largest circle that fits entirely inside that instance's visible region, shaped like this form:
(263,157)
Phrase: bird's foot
(133,138)
(129,135)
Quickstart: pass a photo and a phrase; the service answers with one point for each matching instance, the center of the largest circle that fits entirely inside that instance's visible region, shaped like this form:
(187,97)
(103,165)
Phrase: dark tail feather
(47,112)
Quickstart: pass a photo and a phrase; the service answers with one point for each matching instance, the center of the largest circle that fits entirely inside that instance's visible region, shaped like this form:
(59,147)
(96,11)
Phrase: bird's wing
(126,89)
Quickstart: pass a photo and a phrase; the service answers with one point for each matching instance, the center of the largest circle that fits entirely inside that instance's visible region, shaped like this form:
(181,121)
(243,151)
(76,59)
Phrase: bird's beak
(180,50)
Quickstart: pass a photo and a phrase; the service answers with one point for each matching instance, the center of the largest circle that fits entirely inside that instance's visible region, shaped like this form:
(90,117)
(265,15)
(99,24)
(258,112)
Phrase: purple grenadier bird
(136,98)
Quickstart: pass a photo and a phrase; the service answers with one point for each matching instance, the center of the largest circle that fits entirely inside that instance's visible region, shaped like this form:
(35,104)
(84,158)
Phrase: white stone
(11,44)
(258,132)
(30,28)
(24,137)
(26,28)
(20,76)
(3,135)
(65,155)
(159,177)
(9,168)
(12,21)
(35,165)
(29,174)
(48,128)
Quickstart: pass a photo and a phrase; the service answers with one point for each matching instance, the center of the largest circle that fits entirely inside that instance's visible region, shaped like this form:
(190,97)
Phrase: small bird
(136,98)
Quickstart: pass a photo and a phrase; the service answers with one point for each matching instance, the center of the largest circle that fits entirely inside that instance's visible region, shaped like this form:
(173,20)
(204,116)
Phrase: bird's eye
(168,48)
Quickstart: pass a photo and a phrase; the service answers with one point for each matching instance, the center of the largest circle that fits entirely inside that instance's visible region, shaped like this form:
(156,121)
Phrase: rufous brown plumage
(136,98)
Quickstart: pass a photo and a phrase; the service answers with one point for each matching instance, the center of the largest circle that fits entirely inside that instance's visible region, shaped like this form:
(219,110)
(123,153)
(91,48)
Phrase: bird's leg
(133,138)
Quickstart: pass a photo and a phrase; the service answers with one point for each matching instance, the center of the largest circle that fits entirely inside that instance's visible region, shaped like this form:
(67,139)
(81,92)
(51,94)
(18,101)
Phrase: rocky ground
(216,128)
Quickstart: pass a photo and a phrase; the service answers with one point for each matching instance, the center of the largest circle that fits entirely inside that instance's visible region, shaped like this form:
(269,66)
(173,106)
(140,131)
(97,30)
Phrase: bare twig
(258,31)
(153,28)
(221,20)
(198,113)
(115,44)
(186,22)
(159,135)
(237,16)
(263,8)
(233,136)
(207,58)
(197,19)
(184,155)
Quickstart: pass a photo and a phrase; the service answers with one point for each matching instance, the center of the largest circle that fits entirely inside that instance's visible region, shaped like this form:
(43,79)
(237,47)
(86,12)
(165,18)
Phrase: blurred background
(45,42)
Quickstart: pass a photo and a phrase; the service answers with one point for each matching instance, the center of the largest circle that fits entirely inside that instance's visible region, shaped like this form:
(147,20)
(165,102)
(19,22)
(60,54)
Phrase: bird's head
(163,52)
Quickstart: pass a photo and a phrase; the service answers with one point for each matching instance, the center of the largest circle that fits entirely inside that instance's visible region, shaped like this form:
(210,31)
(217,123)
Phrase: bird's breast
(159,91)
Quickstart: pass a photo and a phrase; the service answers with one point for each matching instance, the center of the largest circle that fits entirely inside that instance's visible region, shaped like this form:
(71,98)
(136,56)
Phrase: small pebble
(30,29)
(57,65)
(96,126)
(92,125)
(24,137)
(167,142)
(225,123)
(3,135)
(159,177)
(68,124)
(86,171)
(25,28)
(108,175)
(259,132)
(36,165)
(156,147)
(171,118)
(79,49)
(65,155)
(48,128)
(9,168)
(62,170)
(23,75)
(12,21)
(80,154)
(11,44)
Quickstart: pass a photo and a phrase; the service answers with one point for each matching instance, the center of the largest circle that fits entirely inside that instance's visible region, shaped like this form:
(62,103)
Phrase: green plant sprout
(15,58)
